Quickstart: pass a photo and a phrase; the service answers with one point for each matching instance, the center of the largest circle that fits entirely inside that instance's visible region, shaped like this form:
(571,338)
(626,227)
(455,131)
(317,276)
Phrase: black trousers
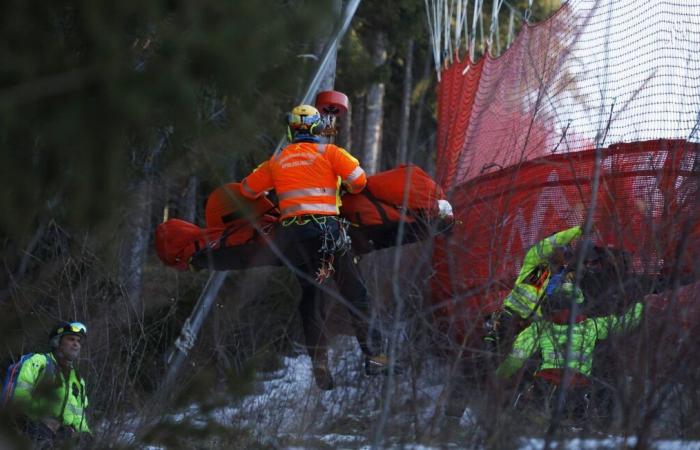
(298,245)
(301,245)
(542,396)
(43,438)
(478,368)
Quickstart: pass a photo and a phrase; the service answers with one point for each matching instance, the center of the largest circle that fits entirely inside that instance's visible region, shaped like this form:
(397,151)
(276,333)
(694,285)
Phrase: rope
(477,14)
(497,4)
(448,23)
(460,22)
(511,27)
(434,23)
(332,244)
(481,23)
(528,11)
(457,10)
(446,26)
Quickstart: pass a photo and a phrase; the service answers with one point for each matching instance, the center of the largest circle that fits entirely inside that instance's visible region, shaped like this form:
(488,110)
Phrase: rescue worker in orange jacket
(307,176)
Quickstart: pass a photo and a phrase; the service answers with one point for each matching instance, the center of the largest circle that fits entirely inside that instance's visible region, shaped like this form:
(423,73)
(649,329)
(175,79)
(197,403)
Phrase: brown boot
(379,365)
(323,377)
(376,365)
(322,374)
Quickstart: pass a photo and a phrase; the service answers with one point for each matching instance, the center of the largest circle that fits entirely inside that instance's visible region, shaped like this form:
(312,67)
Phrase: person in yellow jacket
(542,263)
(50,394)
(544,269)
(307,177)
(566,339)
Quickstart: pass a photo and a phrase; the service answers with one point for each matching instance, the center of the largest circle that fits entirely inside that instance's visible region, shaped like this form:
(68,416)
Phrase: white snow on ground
(290,399)
(609,443)
(288,404)
(288,407)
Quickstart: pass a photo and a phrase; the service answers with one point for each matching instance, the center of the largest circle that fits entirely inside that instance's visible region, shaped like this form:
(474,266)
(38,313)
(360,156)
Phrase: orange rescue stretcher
(397,207)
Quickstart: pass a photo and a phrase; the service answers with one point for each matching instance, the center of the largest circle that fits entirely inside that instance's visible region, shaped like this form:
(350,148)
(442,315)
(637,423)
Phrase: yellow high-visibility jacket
(42,391)
(534,274)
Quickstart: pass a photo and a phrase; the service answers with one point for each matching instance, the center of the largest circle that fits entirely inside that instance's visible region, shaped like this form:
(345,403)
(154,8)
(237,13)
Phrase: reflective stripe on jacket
(551,341)
(307,178)
(40,395)
(534,274)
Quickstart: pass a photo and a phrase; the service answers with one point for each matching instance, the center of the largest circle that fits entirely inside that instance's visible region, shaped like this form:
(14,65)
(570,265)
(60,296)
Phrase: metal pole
(188,335)
(328,52)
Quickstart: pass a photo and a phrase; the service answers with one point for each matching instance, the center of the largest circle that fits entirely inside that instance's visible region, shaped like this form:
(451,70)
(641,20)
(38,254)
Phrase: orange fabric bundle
(387,193)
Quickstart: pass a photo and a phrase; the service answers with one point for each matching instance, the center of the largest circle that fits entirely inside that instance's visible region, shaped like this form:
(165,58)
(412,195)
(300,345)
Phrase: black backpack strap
(377,204)
(358,219)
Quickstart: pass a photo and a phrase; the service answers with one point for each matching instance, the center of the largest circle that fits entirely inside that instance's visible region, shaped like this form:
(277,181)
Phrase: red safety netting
(455,102)
(594,73)
(517,136)
(647,193)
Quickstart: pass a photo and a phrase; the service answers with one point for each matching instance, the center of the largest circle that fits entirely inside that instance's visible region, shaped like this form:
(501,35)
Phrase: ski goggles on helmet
(298,121)
(73,327)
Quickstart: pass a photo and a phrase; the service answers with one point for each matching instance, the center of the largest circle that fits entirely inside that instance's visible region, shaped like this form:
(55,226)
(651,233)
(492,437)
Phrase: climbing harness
(332,243)
(335,240)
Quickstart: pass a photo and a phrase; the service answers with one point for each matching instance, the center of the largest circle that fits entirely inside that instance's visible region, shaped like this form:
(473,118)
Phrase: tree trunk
(420,112)
(375,109)
(189,200)
(345,132)
(137,228)
(358,127)
(406,103)
(429,150)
